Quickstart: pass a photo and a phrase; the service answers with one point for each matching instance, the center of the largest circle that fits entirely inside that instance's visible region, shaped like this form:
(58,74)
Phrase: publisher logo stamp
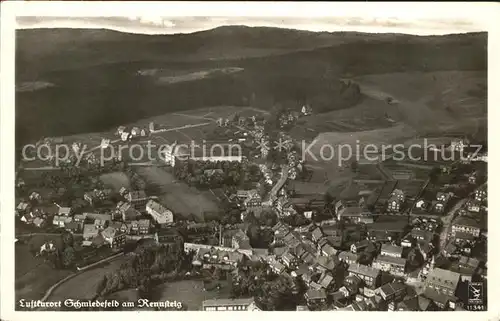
(475,293)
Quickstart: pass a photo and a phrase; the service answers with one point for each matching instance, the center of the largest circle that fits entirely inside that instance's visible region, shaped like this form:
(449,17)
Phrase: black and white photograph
(248,162)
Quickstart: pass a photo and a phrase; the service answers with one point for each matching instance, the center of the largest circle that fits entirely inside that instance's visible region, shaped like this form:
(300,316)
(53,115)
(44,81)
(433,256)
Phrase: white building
(159,213)
(214,153)
(105,143)
(125,136)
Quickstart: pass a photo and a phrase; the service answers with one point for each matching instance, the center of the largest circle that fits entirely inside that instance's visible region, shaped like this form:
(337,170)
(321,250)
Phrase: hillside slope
(92,81)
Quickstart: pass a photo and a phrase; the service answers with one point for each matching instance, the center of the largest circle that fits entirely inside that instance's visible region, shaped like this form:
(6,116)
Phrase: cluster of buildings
(135,214)
(126,134)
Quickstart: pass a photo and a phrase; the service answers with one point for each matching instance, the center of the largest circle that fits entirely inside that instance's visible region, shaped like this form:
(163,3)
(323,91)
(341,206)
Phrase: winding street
(80,270)
(447,220)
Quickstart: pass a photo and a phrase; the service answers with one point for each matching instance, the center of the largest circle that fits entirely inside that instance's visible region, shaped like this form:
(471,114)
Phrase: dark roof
(392,288)
(394,249)
(396,226)
(353,211)
(437,297)
(313,294)
(466,221)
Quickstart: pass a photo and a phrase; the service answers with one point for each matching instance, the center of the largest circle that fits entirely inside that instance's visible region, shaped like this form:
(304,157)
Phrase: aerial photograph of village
(241,167)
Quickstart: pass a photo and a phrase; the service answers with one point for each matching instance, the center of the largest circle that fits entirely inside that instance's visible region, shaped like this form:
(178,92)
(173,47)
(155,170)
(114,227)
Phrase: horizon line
(200,30)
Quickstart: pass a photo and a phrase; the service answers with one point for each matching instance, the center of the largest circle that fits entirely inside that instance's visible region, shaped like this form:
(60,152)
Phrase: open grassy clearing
(177,195)
(33,275)
(84,285)
(115,180)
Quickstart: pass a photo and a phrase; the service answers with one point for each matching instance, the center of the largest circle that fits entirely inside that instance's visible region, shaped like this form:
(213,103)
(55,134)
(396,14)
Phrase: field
(96,86)
(431,101)
(178,196)
(115,180)
(33,275)
(84,285)
(189,292)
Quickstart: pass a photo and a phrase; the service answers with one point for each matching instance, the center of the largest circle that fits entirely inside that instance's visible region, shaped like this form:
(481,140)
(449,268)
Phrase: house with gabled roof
(391,250)
(443,281)
(370,275)
(114,237)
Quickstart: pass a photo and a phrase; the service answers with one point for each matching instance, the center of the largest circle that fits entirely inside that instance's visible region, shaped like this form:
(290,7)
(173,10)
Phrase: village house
(392,292)
(417,236)
(137,198)
(47,247)
(370,275)
(364,245)
(474,206)
(326,249)
(209,258)
(348,257)
(301,270)
(326,280)
(391,250)
(395,201)
(101,221)
(480,194)
(120,130)
(276,266)
(325,264)
(22,208)
(352,214)
(317,234)
(123,191)
(28,218)
(170,238)
(442,301)
(74,227)
(353,285)
(443,197)
(240,240)
(80,218)
(61,221)
(423,205)
(124,136)
(39,222)
(34,196)
(114,237)
(443,281)
(244,304)
(416,303)
(466,225)
(65,211)
(127,211)
(120,226)
(254,200)
(159,213)
(140,227)
(90,231)
(96,196)
(315,297)
(289,260)
(394,265)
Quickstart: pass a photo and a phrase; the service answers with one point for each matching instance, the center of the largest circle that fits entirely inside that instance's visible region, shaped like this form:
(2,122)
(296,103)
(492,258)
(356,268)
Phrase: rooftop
(365,270)
(444,278)
(391,260)
(226,302)
(466,221)
(393,249)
